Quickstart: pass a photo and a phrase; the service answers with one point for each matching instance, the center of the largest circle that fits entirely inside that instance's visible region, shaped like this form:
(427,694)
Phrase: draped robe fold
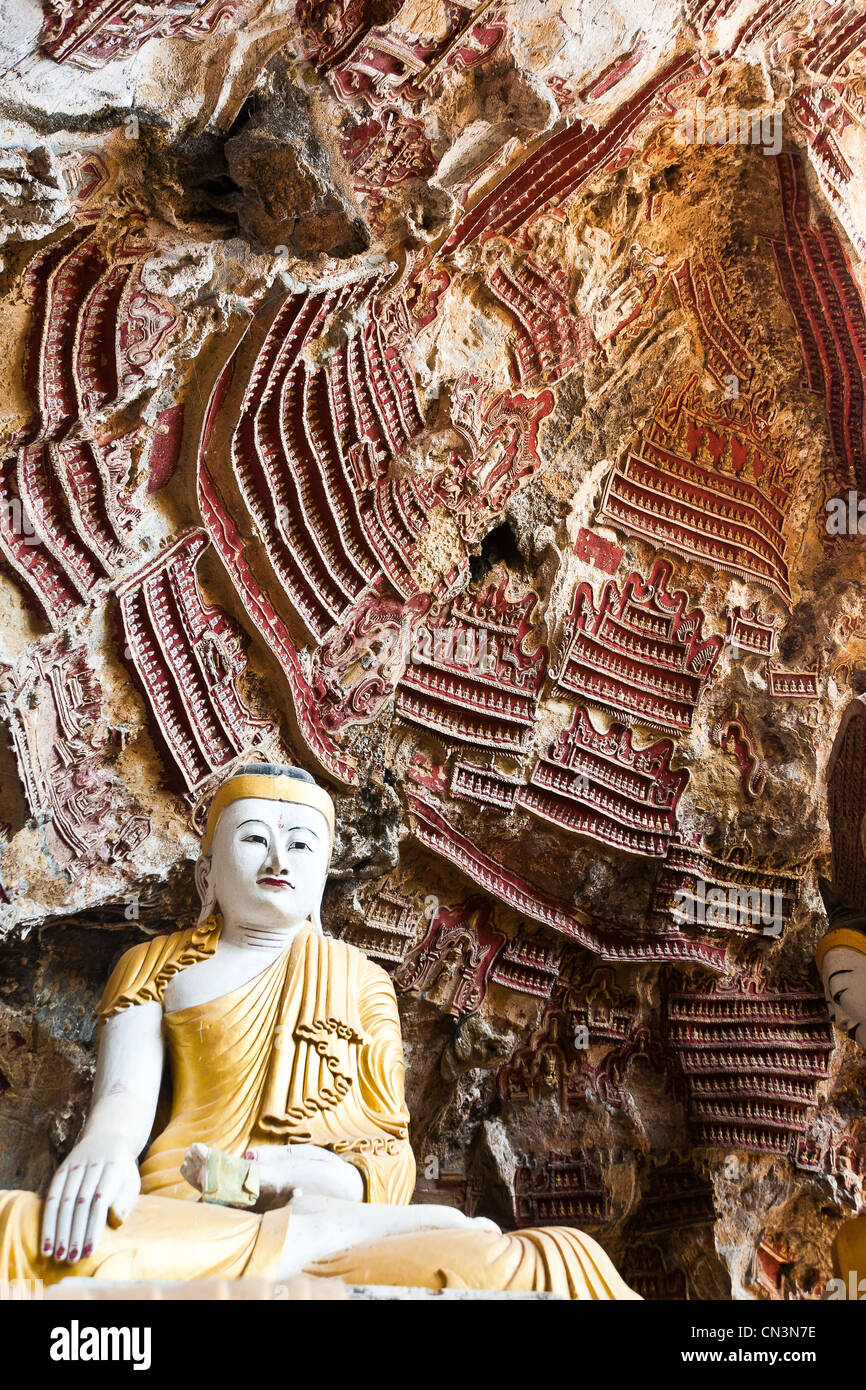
(307,1052)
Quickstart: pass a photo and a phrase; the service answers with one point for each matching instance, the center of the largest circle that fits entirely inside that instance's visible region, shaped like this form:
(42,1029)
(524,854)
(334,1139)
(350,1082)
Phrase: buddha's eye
(837,997)
(301,844)
(255,839)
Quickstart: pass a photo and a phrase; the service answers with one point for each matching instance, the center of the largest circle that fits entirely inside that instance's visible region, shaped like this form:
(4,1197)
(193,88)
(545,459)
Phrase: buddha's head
(266,848)
(841,958)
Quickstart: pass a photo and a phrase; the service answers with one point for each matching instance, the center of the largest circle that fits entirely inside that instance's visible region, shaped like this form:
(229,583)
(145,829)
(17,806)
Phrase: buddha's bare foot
(323,1226)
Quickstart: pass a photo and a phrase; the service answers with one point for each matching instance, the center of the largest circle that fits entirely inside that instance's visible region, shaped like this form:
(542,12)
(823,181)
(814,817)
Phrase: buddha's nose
(276,861)
(841,1019)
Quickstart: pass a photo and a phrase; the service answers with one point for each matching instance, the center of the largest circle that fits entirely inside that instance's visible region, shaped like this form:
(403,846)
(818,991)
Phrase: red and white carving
(91,33)
(713,485)
(827,304)
(640,653)
(463,944)
(753,1049)
(477,679)
(51,703)
(187,656)
(600,785)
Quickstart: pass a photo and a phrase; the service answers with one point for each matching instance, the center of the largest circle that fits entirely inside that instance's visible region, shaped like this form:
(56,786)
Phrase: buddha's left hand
(307,1168)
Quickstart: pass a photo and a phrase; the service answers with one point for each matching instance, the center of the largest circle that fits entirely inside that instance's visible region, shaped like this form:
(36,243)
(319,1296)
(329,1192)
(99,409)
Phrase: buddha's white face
(844,975)
(268,863)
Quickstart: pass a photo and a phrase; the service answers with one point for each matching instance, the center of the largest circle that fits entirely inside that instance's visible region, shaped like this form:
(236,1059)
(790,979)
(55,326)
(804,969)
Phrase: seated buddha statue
(841,959)
(286,1150)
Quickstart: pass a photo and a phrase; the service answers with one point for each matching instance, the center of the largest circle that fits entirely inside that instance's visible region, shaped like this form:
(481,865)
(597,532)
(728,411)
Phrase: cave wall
(464,401)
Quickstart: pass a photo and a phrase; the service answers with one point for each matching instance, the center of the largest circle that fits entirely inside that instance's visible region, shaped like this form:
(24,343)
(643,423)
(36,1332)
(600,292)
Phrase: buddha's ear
(202,877)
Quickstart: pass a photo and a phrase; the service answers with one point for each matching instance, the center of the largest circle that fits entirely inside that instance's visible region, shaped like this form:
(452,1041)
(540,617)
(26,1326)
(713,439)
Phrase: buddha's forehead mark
(284,822)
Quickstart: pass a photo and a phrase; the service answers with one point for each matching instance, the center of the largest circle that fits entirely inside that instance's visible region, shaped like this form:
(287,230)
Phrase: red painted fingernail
(99,1194)
(61,1251)
(47,1247)
(88,1249)
(73,1254)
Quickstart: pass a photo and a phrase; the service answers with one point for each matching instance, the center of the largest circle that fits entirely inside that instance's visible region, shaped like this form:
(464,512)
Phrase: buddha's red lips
(277,882)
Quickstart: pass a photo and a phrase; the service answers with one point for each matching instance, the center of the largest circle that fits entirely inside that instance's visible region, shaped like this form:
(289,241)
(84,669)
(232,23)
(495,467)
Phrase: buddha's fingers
(98,1214)
(51,1209)
(66,1209)
(93,1173)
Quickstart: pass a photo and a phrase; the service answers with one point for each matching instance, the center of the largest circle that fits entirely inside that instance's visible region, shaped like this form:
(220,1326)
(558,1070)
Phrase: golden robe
(307,1052)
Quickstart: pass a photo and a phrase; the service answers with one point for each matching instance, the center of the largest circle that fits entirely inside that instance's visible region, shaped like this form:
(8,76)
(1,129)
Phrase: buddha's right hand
(98,1180)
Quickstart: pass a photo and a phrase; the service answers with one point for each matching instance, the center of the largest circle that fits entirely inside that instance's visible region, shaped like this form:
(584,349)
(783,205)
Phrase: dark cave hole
(498,545)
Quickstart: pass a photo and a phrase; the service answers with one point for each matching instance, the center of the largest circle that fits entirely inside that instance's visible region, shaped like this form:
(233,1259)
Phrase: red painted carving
(357,669)
(613,73)
(484,785)
(600,785)
(821,120)
(566,1189)
(736,897)
(387,61)
(477,680)
(763,25)
(91,33)
(527,964)
(630,306)
(51,703)
(826,302)
(753,1049)
(187,657)
(548,337)
(230,548)
(645,1269)
(703,291)
(63,514)
(131,834)
(705,14)
(838,1158)
(432,830)
(794,685)
(461,942)
(165,447)
(330,27)
(598,551)
(838,36)
(673,1198)
(712,485)
(385,150)
(84,175)
(388,928)
(586,1010)
(640,653)
(732,734)
(752,630)
(569,159)
(311,441)
(501,435)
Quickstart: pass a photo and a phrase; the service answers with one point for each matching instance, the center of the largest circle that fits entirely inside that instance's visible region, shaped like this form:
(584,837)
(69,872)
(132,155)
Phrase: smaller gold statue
(287,1147)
